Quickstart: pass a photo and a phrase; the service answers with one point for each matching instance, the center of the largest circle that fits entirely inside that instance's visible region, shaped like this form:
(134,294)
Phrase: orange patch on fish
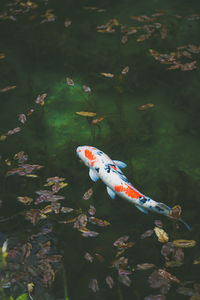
(130,192)
(89,155)
(114,168)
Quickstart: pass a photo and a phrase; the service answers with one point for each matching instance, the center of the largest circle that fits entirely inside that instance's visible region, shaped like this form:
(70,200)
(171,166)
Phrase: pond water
(146,115)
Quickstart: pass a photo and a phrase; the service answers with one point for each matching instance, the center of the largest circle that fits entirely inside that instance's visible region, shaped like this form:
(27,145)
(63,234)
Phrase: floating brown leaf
(102,223)
(145,266)
(109,75)
(94,285)
(184,243)
(161,234)
(69,81)
(88,257)
(86,113)
(146,106)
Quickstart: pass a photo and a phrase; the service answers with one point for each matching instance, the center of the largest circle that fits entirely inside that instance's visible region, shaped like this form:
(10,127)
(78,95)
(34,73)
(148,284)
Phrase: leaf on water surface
(33,215)
(95,121)
(99,257)
(88,194)
(146,106)
(89,257)
(158,223)
(86,113)
(87,89)
(81,221)
(120,241)
(87,233)
(25,200)
(8,88)
(52,258)
(196,261)
(30,287)
(142,18)
(143,37)
(125,280)
(161,234)
(69,81)
(109,75)
(155,297)
(155,280)
(22,118)
(40,99)
(45,248)
(145,266)
(13,131)
(125,70)
(168,275)
(124,39)
(67,23)
(69,221)
(30,112)
(3,137)
(46,210)
(184,243)
(66,209)
(26,250)
(92,210)
(146,234)
(173,263)
(2,55)
(93,285)
(102,223)
(109,281)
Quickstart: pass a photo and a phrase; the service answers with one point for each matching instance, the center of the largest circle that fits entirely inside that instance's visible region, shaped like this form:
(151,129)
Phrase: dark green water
(160,144)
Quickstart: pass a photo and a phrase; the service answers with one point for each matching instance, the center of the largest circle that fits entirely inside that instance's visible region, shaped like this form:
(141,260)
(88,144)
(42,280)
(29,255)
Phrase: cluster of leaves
(174,58)
(157,25)
(160,278)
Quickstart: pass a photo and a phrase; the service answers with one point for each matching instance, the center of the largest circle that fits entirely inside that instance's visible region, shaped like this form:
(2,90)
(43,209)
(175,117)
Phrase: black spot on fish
(97,169)
(99,152)
(107,168)
(143,200)
(159,208)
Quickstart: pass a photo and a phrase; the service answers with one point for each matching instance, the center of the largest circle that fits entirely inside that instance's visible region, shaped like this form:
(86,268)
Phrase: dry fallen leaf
(184,243)
(69,81)
(161,234)
(86,113)
(145,106)
(109,75)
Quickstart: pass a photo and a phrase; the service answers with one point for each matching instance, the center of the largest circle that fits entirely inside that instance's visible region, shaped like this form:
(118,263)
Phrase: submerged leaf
(25,200)
(94,285)
(86,113)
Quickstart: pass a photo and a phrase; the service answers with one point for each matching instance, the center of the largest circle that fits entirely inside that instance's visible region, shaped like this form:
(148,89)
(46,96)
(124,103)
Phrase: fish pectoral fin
(142,209)
(111,193)
(93,175)
(120,164)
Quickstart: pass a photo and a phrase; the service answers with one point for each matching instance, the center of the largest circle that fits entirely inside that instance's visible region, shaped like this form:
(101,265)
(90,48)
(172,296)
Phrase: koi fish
(109,171)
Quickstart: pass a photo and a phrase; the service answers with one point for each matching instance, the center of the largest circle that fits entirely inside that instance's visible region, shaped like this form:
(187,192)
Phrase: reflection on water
(124,78)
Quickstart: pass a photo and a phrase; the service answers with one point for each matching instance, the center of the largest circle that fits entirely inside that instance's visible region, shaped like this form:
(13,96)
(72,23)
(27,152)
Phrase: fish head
(87,155)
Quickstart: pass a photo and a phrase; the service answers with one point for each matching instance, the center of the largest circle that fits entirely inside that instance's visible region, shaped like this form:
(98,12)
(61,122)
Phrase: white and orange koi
(109,171)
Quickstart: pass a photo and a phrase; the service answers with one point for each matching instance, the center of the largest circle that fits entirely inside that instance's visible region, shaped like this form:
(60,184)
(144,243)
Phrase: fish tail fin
(182,221)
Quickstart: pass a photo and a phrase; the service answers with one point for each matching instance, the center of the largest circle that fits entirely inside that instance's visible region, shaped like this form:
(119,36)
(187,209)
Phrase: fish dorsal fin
(120,164)
(111,193)
(93,175)
(142,209)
